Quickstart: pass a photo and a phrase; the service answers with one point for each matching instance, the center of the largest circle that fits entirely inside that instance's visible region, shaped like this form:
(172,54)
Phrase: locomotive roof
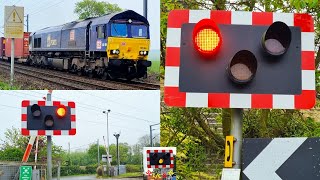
(127,14)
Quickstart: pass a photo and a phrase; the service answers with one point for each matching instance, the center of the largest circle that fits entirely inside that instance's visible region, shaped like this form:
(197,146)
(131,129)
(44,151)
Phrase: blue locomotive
(112,46)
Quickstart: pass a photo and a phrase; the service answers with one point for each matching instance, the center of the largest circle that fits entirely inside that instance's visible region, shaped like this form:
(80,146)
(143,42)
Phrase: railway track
(71,81)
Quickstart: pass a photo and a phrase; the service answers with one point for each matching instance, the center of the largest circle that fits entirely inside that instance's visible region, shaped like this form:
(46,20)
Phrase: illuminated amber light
(207,40)
(61,111)
(161,161)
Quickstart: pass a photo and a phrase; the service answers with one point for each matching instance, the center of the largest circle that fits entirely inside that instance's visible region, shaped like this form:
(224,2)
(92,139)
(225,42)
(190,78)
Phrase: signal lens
(48,120)
(242,67)
(36,110)
(161,161)
(276,40)
(206,37)
(61,111)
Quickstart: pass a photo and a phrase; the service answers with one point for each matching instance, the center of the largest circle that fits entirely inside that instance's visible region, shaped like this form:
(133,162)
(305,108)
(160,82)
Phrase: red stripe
(164,166)
(221,17)
(173,97)
(171,165)
(25,103)
(72,132)
(148,151)
(149,166)
(221,100)
(41,132)
(262,18)
(23,117)
(163,151)
(173,56)
(155,151)
(178,17)
(56,103)
(304,21)
(170,151)
(73,117)
(306,100)
(171,158)
(307,60)
(41,103)
(148,158)
(56,132)
(156,166)
(27,153)
(71,104)
(261,101)
(25,132)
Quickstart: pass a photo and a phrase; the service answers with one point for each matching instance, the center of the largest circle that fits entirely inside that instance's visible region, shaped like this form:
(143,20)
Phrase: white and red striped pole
(36,153)
(28,149)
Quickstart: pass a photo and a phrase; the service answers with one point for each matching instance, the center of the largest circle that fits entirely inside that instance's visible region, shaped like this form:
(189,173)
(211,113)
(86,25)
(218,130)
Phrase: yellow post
(228,155)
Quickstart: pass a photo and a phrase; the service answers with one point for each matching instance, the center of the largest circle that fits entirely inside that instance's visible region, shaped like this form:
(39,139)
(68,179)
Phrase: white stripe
(307,41)
(287,18)
(196,15)
(73,125)
(32,139)
(173,37)
(283,101)
(265,165)
(65,103)
(33,102)
(241,17)
(64,132)
(171,76)
(33,132)
(23,110)
(24,124)
(49,132)
(240,100)
(308,80)
(49,103)
(197,99)
(73,111)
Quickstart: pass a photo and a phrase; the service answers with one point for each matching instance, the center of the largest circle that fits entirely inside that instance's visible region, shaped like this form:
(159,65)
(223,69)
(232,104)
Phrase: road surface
(92,178)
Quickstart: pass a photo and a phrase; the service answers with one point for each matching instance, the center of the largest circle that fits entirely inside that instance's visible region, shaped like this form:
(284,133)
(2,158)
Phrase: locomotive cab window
(139,31)
(101,32)
(37,42)
(119,30)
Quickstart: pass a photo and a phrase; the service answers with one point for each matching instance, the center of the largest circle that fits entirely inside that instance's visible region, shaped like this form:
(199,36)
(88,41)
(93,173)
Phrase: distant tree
(93,153)
(92,8)
(14,143)
(124,150)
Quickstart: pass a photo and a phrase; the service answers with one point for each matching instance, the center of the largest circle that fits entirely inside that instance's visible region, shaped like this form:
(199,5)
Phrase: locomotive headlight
(141,52)
(117,51)
(114,51)
(145,52)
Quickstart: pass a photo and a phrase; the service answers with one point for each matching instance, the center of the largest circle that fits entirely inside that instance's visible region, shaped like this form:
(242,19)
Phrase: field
(155,67)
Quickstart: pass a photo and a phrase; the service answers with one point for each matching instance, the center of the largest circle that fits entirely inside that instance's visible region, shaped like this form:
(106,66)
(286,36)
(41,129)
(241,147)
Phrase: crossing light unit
(160,159)
(235,59)
(48,118)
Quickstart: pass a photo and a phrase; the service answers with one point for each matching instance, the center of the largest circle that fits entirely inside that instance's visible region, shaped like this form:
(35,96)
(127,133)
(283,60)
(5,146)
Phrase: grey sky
(131,114)
(44,13)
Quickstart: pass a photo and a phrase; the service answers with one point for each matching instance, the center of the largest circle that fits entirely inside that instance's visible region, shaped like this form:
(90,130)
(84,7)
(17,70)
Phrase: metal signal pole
(98,153)
(49,149)
(12,62)
(151,138)
(236,131)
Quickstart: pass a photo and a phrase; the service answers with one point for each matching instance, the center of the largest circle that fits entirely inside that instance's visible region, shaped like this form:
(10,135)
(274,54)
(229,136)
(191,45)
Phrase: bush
(133,168)
(75,170)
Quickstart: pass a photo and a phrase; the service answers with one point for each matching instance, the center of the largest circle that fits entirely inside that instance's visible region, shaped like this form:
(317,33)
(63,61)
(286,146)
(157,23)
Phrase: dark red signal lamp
(207,38)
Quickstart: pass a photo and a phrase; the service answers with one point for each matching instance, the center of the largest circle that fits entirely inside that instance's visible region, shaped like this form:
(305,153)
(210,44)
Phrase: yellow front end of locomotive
(128,48)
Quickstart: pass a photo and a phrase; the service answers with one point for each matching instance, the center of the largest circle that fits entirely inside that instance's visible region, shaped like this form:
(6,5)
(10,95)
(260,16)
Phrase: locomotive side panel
(98,36)
(74,39)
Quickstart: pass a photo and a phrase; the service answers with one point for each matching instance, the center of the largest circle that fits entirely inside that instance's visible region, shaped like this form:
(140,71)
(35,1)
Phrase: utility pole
(107,112)
(151,138)
(118,158)
(49,149)
(12,63)
(98,152)
(145,8)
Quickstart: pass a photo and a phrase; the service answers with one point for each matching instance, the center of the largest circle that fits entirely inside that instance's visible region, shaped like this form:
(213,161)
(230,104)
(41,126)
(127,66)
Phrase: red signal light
(207,39)
(61,111)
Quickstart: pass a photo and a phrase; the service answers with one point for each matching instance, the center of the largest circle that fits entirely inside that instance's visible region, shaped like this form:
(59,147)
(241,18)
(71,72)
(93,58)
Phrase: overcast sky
(131,114)
(44,13)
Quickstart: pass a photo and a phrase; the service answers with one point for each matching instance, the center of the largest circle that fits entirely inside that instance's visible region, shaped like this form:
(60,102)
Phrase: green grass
(155,67)
(5,86)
